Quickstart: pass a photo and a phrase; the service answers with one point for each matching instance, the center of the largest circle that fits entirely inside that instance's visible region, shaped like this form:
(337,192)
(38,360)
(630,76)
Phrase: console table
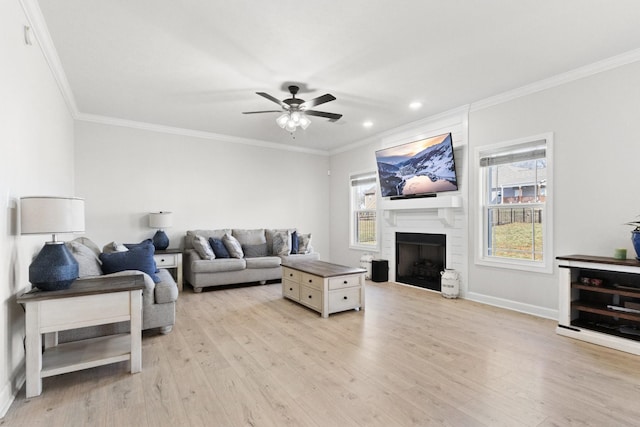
(324,287)
(87,302)
(599,301)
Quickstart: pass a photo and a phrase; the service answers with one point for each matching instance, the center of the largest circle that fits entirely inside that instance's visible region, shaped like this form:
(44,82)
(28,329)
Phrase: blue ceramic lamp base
(160,240)
(54,268)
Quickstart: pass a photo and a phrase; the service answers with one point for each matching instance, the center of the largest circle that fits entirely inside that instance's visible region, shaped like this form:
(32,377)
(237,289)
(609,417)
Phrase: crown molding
(41,31)
(112,121)
(453,115)
(560,79)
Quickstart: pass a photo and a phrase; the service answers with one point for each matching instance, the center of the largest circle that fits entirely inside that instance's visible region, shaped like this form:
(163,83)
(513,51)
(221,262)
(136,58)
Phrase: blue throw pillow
(294,242)
(219,249)
(145,244)
(138,258)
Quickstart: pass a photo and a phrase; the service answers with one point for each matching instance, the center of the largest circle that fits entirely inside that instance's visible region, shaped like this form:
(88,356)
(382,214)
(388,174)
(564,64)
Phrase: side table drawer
(291,289)
(344,282)
(311,297)
(166,260)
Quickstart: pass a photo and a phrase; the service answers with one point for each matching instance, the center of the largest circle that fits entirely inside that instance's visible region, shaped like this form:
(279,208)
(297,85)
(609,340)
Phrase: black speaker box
(380,270)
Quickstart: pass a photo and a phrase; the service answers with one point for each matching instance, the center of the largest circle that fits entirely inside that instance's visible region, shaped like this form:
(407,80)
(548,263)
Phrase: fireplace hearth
(420,257)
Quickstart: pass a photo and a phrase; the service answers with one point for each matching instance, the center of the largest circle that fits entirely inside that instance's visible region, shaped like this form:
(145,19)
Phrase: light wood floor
(247,357)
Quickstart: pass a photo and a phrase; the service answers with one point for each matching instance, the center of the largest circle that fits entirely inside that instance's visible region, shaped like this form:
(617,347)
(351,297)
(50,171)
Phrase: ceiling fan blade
(273,99)
(317,101)
(266,111)
(331,116)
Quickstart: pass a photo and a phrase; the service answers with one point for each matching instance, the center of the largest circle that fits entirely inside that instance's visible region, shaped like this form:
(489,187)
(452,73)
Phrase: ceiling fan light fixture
(282,120)
(290,126)
(304,121)
(295,116)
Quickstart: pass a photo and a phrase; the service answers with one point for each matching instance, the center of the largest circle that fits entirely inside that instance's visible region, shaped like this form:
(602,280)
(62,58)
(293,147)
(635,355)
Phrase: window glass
(364,228)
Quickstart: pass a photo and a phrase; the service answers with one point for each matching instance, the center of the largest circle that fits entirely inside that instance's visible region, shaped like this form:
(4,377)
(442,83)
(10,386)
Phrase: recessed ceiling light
(415,105)
(367,124)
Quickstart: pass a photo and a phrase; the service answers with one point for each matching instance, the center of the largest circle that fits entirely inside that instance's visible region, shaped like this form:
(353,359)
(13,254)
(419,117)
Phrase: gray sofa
(262,252)
(158,299)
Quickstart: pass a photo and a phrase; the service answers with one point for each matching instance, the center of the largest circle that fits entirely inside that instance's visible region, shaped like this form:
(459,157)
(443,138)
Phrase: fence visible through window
(366,227)
(516,232)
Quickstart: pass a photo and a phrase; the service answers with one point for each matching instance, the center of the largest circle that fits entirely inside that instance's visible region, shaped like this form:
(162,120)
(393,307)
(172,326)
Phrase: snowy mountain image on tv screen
(420,167)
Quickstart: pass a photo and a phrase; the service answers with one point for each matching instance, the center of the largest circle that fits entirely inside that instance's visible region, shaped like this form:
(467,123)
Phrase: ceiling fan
(296,110)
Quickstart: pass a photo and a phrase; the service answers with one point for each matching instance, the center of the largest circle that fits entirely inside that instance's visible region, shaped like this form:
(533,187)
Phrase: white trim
(11,389)
(544,266)
(533,310)
(559,79)
(112,121)
(41,31)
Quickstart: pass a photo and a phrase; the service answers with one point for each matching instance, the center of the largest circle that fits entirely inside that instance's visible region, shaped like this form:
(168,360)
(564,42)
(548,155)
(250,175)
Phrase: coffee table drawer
(344,282)
(291,274)
(291,289)
(344,299)
(312,281)
(311,297)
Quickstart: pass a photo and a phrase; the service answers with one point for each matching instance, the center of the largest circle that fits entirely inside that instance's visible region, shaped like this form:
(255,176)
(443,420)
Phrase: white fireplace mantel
(445,205)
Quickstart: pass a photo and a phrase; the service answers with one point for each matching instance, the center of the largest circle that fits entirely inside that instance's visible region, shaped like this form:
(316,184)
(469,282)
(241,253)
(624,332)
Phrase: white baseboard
(10,390)
(513,305)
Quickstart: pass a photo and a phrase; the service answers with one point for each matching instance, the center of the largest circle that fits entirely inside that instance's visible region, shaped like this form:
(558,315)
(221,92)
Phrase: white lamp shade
(160,219)
(51,215)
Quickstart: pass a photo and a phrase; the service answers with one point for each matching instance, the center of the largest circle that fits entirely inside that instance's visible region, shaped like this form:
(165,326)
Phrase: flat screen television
(418,168)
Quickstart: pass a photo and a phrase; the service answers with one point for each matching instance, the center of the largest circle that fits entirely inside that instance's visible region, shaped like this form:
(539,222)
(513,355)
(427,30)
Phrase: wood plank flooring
(248,357)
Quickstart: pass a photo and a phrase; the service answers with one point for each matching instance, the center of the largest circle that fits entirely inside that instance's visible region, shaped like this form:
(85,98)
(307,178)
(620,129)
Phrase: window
(516,216)
(364,225)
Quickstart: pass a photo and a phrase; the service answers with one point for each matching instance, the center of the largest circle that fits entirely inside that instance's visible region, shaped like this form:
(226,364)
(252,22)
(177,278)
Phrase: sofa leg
(262,282)
(197,290)
(164,330)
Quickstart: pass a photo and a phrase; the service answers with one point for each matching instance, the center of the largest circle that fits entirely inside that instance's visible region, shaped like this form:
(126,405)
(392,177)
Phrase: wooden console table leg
(33,350)
(136,331)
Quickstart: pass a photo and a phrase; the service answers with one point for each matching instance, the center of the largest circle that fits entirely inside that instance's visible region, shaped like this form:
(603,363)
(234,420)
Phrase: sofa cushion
(88,262)
(208,234)
(219,249)
(233,246)
(253,251)
(218,265)
(281,243)
(166,290)
(202,246)
(269,233)
(294,242)
(301,257)
(114,247)
(88,243)
(304,242)
(139,257)
(263,262)
(249,237)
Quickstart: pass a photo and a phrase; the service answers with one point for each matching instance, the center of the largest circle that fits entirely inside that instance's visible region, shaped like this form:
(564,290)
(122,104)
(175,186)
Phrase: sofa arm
(166,290)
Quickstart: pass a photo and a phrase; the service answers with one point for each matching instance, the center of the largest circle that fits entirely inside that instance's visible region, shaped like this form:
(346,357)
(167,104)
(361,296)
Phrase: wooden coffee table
(322,286)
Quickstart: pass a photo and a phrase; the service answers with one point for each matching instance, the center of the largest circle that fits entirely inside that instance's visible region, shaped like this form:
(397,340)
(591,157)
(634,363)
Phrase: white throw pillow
(202,246)
(304,244)
(233,246)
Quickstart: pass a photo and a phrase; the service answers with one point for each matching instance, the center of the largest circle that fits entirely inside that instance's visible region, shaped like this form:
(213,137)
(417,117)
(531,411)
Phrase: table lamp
(54,268)
(160,220)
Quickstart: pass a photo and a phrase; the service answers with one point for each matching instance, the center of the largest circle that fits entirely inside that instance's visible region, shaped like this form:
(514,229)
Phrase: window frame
(353,243)
(481,256)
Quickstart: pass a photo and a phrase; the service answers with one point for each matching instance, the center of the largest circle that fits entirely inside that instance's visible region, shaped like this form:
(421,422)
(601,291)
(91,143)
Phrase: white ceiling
(196,64)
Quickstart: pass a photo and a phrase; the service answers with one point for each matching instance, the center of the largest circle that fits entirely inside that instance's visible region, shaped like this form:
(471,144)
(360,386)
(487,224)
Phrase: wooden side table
(88,302)
(171,259)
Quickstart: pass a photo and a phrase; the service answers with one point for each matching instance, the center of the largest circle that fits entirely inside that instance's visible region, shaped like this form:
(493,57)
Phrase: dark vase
(160,240)
(635,238)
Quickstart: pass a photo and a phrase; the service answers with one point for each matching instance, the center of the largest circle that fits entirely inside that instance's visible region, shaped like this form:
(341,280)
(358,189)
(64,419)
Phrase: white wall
(36,158)
(125,173)
(597,147)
